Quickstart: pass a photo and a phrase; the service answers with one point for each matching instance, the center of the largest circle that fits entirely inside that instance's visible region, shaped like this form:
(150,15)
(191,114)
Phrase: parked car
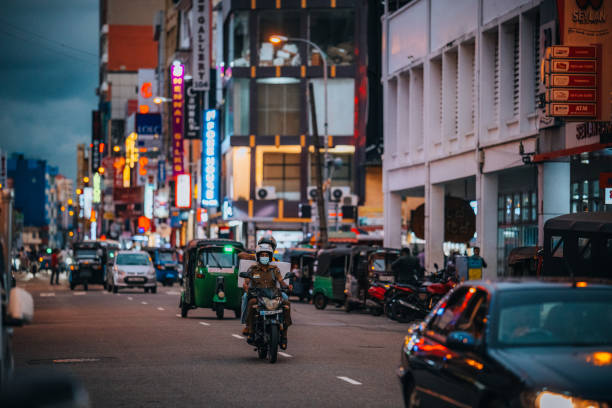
(132,269)
(512,344)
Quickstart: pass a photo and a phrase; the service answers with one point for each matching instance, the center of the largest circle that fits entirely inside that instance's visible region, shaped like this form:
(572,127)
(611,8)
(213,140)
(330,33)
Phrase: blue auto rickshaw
(168,269)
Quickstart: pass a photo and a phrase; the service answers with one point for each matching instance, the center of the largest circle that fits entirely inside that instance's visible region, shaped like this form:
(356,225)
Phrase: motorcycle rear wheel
(401,313)
(273,346)
(262,353)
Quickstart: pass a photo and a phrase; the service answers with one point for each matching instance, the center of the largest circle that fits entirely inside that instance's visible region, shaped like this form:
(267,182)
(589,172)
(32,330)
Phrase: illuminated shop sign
(97,188)
(177,84)
(182,193)
(210,159)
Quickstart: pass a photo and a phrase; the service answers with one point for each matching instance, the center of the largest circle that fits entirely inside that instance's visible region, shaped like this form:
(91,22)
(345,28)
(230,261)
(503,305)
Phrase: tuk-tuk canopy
(298,252)
(326,256)
(581,222)
(203,243)
(521,254)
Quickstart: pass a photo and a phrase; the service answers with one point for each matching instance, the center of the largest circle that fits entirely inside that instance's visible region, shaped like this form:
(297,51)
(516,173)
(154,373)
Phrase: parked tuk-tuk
(210,273)
(379,264)
(303,259)
(578,244)
(524,261)
(91,260)
(167,267)
(331,270)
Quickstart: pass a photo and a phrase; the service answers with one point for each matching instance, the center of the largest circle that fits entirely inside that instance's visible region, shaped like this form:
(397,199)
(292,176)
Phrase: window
(473,319)
(517,208)
(341,176)
(239,51)
(556,246)
(286,23)
(585,196)
(278,106)
(584,248)
(282,171)
(515,71)
(237,107)
(133,259)
(334,32)
(217,259)
(447,315)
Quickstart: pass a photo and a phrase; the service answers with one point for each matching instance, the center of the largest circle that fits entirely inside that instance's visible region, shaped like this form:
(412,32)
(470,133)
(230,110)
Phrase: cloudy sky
(48,77)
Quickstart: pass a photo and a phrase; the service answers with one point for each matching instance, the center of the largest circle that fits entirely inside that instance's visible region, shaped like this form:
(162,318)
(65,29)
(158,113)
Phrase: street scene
(313,203)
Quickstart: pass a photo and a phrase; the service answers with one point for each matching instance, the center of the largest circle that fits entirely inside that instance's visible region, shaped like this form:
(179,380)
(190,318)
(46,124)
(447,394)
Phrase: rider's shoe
(245,331)
(283,343)
(251,339)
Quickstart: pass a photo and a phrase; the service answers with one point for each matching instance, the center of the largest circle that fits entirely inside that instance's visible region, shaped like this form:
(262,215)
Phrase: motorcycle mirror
(244,275)
(289,275)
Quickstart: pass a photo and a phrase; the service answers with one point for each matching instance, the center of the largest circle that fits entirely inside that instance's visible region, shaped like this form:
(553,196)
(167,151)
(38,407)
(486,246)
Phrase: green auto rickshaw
(211,276)
(329,283)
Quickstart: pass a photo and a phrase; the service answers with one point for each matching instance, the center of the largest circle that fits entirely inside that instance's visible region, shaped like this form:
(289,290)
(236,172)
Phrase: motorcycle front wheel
(262,353)
(273,346)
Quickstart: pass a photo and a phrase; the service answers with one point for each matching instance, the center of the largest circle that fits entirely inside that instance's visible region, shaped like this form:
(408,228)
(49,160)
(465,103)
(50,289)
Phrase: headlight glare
(271,304)
(547,399)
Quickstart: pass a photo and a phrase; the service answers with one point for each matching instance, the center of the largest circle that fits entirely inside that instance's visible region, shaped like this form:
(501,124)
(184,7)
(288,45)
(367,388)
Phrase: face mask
(264,260)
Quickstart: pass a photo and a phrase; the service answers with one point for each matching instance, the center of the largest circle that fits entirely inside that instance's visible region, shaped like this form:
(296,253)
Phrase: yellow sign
(131,152)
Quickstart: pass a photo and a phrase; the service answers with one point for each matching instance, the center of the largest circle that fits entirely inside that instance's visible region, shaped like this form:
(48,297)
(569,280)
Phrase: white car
(132,269)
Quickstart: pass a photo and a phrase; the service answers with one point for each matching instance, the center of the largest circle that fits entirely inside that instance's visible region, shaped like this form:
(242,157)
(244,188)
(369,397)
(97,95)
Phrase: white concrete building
(461,85)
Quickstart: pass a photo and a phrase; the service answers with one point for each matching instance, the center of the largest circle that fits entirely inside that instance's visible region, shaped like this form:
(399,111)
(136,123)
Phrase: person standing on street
(407,268)
(54,267)
(475,265)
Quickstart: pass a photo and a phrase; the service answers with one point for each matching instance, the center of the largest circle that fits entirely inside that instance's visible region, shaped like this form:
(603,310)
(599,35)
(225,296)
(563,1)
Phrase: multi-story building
(266,131)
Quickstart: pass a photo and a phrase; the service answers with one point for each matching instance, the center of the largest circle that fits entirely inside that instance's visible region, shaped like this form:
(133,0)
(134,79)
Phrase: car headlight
(271,304)
(151,271)
(547,399)
(121,273)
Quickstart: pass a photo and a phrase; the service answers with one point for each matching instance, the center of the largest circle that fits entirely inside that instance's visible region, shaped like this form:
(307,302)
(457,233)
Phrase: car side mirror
(20,308)
(244,275)
(460,340)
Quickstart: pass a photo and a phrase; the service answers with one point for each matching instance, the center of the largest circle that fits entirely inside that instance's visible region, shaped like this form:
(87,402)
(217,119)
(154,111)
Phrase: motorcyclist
(265,275)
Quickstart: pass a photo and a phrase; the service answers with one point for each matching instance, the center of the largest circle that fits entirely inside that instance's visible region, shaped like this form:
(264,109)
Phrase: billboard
(210,159)
(182,193)
(177,73)
(201,44)
(192,111)
(147,91)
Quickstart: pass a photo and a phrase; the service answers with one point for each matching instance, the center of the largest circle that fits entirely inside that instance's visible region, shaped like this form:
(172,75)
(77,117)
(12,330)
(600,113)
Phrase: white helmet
(264,247)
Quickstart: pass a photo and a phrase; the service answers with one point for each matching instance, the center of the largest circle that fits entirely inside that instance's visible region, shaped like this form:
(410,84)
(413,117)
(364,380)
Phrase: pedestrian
(33,261)
(475,265)
(421,257)
(54,267)
(407,268)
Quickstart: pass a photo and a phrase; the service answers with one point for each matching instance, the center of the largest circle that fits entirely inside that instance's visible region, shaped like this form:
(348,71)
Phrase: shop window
(239,51)
(339,177)
(285,23)
(278,106)
(334,32)
(282,171)
(237,107)
(517,208)
(585,196)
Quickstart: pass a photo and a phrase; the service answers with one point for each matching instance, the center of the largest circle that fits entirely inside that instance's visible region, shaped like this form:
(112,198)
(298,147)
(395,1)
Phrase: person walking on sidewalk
(54,267)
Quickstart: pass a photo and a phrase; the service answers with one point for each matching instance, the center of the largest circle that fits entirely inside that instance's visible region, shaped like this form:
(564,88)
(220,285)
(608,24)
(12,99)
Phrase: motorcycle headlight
(271,304)
(221,294)
(547,399)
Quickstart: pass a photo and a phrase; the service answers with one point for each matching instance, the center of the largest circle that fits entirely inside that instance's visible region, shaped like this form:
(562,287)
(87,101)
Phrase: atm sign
(572,109)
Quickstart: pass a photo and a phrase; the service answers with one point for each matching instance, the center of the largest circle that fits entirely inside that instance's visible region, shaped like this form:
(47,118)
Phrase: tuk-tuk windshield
(218,258)
(167,257)
(133,259)
(86,253)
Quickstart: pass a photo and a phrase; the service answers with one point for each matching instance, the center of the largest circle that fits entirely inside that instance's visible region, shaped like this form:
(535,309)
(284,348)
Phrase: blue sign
(148,124)
(210,159)
(161,172)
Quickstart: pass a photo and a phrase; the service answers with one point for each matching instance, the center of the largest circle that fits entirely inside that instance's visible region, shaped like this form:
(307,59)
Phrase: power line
(42,37)
(76,58)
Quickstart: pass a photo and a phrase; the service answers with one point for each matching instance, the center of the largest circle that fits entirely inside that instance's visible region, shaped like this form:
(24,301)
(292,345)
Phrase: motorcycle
(270,318)
(378,294)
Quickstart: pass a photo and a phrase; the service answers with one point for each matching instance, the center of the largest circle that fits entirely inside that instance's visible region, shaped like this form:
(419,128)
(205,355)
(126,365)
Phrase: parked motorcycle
(378,294)
(270,318)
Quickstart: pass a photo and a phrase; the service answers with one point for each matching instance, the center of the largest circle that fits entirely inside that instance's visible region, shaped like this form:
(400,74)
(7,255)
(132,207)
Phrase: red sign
(561,51)
(571,109)
(573,66)
(571,95)
(128,195)
(572,80)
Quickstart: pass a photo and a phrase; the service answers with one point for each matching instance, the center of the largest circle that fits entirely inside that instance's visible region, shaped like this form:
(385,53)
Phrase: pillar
(392,219)
(434,225)
(486,221)
(553,193)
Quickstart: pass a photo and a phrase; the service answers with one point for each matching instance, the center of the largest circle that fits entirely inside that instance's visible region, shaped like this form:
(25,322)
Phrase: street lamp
(277,39)
(158,100)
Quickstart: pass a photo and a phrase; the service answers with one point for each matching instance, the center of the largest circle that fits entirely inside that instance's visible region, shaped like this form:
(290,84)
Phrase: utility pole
(319,177)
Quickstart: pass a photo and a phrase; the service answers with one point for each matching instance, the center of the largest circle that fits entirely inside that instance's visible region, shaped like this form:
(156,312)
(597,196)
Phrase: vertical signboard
(2,169)
(182,193)
(97,188)
(210,159)
(147,90)
(177,74)
(201,45)
(192,111)
(87,201)
(148,201)
(95,141)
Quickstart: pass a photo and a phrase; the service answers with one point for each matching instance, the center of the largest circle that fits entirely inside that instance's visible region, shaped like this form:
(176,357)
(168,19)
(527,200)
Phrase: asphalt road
(133,349)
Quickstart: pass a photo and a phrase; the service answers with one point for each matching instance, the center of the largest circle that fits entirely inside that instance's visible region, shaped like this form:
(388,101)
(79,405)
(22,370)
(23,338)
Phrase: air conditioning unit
(266,193)
(337,194)
(311,193)
(350,199)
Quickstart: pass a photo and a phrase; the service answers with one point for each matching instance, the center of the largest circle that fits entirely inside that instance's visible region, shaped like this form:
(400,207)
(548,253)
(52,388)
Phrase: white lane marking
(48,294)
(205,324)
(238,336)
(144,303)
(285,354)
(104,292)
(349,380)
(79,293)
(75,360)
(161,309)
(130,298)
(178,315)
(173,293)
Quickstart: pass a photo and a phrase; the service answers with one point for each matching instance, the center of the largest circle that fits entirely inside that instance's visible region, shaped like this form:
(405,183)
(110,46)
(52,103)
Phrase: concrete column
(393,219)
(434,225)
(486,221)
(553,193)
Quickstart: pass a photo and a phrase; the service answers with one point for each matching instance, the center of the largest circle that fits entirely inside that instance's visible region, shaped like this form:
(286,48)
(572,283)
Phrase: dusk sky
(48,76)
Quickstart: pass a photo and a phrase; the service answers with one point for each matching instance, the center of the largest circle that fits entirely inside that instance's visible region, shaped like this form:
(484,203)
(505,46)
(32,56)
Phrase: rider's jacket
(264,276)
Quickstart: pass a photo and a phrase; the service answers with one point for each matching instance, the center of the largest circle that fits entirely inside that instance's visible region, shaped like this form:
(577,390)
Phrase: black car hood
(572,369)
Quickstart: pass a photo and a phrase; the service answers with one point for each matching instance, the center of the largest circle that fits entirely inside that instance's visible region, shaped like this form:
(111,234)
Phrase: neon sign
(210,159)
(177,83)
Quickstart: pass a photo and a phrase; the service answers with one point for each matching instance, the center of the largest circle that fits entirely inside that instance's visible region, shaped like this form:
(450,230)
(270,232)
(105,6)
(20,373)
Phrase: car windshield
(218,258)
(167,257)
(85,253)
(555,317)
(133,259)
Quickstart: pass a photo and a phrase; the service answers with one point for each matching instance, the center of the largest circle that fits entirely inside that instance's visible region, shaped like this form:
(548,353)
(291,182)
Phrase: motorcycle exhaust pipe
(409,305)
